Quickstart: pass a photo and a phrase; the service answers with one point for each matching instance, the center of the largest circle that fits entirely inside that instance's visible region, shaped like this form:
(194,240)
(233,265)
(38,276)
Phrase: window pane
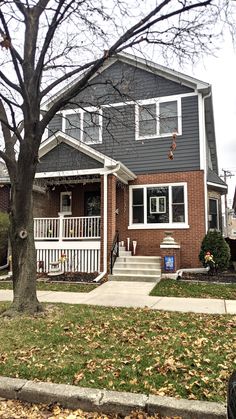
(178,194)
(168,117)
(73,125)
(147,120)
(138,196)
(91,127)
(66,203)
(213,214)
(178,215)
(159,217)
(138,209)
(138,216)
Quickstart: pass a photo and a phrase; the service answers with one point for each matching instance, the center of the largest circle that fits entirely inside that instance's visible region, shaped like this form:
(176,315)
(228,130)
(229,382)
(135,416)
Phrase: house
(4,188)
(135,153)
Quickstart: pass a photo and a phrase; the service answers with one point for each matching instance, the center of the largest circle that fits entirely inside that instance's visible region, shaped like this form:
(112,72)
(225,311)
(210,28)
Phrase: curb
(106,401)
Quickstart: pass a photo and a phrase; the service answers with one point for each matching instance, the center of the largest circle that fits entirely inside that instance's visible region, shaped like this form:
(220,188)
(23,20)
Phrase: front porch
(73,242)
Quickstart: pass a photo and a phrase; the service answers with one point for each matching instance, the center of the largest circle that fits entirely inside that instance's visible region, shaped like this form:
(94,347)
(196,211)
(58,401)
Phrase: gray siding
(149,155)
(122,81)
(64,157)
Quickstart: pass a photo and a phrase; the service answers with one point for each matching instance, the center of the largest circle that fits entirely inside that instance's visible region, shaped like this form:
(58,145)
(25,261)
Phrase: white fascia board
(144,64)
(217,185)
(59,137)
(68,173)
(161,70)
(46,105)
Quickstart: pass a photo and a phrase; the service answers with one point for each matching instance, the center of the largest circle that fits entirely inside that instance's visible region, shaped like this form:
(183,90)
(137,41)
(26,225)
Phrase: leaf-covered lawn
(172,288)
(46,286)
(14,409)
(137,350)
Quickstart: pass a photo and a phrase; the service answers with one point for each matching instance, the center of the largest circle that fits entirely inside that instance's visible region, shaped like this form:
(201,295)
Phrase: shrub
(214,243)
(4,226)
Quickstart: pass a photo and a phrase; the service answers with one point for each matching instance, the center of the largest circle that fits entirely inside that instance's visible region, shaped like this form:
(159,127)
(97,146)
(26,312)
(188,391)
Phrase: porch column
(111,215)
(111,218)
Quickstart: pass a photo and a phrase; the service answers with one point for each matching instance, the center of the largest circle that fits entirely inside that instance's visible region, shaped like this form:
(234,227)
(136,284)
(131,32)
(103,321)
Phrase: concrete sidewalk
(133,294)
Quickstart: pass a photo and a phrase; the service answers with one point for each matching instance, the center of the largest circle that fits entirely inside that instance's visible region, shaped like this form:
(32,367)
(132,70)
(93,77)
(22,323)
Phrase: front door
(92,203)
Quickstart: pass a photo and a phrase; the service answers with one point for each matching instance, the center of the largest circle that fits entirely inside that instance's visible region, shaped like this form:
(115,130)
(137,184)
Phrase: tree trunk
(23,249)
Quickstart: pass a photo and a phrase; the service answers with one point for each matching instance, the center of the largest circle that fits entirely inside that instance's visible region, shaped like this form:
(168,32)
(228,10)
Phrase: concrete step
(138,259)
(137,265)
(125,253)
(135,278)
(134,271)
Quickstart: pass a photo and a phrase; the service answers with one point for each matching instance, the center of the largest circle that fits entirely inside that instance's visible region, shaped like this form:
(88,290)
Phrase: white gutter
(179,273)
(205,165)
(105,177)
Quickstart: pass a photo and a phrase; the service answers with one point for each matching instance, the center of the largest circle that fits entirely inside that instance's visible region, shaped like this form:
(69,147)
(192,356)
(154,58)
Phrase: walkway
(133,294)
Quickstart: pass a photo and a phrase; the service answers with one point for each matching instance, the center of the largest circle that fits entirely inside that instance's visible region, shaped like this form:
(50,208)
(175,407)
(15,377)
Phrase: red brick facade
(148,241)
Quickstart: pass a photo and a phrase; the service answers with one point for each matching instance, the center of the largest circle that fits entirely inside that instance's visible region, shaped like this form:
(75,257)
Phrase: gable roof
(123,173)
(214,180)
(197,85)
(143,64)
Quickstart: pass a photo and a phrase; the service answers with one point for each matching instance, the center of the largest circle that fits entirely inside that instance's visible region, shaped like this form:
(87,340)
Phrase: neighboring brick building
(134,153)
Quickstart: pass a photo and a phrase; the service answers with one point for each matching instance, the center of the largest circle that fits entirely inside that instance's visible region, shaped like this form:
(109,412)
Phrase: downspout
(205,168)
(179,273)
(109,172)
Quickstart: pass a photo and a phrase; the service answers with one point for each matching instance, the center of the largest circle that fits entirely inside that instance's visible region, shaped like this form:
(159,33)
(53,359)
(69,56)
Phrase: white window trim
(61,197)
(157,199)
(157,101)
(80,111)
(158,226)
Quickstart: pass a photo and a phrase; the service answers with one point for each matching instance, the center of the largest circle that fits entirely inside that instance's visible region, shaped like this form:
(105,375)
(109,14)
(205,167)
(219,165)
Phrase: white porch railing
(67,228)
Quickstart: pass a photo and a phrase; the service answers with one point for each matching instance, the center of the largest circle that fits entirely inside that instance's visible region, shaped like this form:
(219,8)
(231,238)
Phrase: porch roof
(106,164)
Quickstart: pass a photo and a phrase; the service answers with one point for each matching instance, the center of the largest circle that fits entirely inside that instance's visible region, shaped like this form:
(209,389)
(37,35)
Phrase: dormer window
(84,125)
(158,117)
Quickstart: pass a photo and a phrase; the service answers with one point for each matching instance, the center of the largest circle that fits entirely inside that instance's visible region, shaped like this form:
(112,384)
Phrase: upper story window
(158,117)
(158,206)
(84,125)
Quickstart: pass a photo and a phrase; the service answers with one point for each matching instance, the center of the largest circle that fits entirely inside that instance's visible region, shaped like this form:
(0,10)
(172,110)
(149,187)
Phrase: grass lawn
(137,350)
(172,288)
(45,286)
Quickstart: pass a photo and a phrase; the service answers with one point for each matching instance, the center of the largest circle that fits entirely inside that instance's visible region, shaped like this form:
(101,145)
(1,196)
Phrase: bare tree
(47,43)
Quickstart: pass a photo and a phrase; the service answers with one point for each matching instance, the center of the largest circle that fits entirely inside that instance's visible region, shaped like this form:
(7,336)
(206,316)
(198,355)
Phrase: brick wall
(4,198)
(149,240)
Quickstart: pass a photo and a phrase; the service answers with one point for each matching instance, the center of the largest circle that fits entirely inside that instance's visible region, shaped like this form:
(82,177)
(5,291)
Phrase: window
(213,214)
(83,125)
(66,203)
(158,206)
(168,117)
(138,208)
(158,117)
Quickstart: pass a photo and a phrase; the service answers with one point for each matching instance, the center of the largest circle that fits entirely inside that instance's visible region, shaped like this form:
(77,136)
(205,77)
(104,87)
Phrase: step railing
(67,228)
(114,251)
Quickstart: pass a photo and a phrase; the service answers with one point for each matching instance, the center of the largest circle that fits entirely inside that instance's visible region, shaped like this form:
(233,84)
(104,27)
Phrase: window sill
(176,226)
(153,137)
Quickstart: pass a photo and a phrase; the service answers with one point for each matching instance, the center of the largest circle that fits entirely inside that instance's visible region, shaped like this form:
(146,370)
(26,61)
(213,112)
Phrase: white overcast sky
(220,72)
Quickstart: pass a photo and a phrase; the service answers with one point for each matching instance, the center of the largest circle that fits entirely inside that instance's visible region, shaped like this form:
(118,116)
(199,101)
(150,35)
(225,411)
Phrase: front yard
(59,286)
(137,350)
(172,288)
